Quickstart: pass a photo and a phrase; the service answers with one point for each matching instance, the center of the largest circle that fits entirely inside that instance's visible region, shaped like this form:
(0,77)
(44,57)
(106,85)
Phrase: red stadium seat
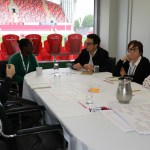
(39,52)
(53,45)
(36,39)
(9,45)
(73,45)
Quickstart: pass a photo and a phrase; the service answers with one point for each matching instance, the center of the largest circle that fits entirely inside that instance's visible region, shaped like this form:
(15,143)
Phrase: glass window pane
(46,17)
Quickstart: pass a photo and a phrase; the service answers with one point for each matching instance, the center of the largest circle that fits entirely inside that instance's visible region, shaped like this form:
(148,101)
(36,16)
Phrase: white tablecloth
(84,130)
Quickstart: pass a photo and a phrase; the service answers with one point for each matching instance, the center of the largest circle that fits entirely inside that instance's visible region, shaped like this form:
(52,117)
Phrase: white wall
(104,23)
(141,24)
(122,21)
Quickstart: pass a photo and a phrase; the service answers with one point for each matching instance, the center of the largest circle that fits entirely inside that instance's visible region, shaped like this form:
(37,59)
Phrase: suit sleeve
(82,58)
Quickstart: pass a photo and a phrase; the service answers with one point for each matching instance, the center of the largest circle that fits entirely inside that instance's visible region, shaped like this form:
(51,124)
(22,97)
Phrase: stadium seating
(73,45)
(9,45)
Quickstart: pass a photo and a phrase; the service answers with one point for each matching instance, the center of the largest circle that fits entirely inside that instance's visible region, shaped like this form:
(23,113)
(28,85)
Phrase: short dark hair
(95,37)
(23,43)
(138,44)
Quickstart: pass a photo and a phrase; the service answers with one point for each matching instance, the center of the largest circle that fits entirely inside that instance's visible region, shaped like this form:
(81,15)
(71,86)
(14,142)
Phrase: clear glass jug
(124,91)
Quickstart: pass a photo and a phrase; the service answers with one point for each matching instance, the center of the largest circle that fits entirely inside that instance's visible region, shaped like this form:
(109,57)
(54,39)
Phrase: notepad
(112,78)
(94,90)
(40,86)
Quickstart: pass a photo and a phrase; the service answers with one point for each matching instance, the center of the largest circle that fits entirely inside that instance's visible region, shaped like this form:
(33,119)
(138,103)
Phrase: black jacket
(141,72)
(4,89)
(101,59)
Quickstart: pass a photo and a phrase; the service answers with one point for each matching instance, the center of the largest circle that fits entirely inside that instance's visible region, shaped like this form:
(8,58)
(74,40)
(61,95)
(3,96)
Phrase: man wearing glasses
(92,55)
(133,64)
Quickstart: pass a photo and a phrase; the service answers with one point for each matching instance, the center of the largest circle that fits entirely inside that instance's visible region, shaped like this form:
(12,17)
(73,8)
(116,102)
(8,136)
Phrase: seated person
(23,61)
(92,55)
(133,64)
(28,119)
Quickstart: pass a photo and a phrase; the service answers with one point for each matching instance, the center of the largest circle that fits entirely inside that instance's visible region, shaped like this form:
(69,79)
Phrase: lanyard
(25,69)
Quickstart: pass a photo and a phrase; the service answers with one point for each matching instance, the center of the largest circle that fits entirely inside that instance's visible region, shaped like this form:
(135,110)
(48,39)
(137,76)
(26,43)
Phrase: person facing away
(92,55)
(28,119)
(133,64)
(5,88)
(24,61)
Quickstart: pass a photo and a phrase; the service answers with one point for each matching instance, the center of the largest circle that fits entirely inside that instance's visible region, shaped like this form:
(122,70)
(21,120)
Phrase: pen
(82,105)
(108,82)
(98,109)
(135,90)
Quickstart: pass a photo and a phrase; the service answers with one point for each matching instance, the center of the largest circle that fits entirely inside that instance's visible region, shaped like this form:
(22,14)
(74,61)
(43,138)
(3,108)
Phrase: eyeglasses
(135,49)
(88,43)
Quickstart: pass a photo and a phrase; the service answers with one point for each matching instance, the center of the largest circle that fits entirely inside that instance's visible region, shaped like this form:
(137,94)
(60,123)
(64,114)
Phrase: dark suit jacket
(4,89)
(141,72)
(101,59)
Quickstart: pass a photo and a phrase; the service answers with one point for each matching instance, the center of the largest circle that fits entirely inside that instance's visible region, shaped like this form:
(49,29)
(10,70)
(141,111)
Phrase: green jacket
(19,68)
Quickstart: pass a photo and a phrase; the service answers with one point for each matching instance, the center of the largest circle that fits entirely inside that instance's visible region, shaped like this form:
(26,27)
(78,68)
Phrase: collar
(93,53)
(137,62)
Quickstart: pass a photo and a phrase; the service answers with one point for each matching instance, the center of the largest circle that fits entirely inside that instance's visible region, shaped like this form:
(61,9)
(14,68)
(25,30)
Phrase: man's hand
(88,67)
(10,70)
(77,66)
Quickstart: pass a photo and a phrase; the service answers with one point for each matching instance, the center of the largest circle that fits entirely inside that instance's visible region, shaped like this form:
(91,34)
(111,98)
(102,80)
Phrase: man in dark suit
(92,55)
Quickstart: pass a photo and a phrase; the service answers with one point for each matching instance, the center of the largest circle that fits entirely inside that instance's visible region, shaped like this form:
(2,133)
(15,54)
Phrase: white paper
(117,120)
(40,85)
(138,115)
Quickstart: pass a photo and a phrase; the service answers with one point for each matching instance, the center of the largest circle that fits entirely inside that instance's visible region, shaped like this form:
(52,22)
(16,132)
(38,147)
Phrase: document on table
(137,115)
(40,85)
(117,120)
(112,78)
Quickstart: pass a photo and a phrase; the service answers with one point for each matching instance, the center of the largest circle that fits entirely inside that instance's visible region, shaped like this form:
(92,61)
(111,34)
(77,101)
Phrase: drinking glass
(89,98)
(89,94)
(56,68)
(56,80)
(38,71)
(68,68)
(96,69)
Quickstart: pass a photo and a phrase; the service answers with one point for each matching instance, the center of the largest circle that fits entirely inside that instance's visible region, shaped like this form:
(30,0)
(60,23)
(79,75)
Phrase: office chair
(14,90)
(112,62)
(43,137)
(3,144)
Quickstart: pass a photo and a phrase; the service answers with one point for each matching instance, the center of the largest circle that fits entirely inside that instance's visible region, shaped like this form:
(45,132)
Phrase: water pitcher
(124,91)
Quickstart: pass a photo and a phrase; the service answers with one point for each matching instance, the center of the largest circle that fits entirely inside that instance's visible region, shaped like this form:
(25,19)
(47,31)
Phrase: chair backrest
(55,41)
(112,63)
(36,39)
(7,128)
(75,43)
(10,43)
(3,64)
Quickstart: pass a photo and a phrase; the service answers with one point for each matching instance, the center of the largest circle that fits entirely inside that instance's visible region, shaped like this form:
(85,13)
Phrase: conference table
(64,97)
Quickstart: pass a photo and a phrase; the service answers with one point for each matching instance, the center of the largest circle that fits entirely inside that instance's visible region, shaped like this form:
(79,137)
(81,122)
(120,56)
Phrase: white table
(84,130)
